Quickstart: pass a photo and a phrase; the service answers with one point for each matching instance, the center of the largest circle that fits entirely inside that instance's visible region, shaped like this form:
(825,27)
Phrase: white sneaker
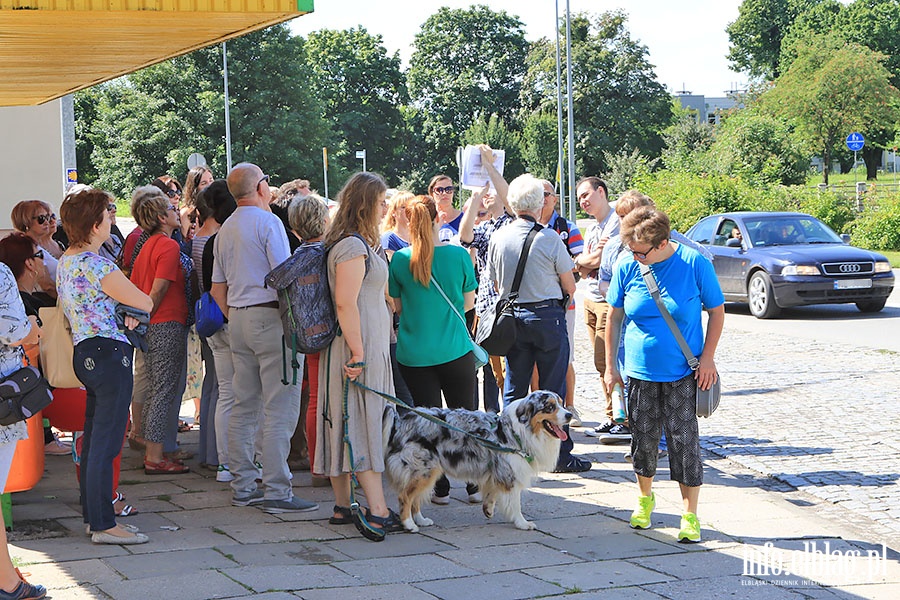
(576,416)
(223,474)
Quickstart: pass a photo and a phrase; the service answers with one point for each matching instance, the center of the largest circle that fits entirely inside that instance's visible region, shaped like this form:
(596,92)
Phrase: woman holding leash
(425,278)
(357,276)
(662,386)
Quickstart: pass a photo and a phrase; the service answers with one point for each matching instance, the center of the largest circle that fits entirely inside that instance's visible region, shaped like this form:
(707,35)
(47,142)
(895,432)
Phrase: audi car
(775,260)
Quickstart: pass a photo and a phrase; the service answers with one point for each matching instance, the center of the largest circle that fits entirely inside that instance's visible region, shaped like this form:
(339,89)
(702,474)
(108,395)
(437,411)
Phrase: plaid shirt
(481,237)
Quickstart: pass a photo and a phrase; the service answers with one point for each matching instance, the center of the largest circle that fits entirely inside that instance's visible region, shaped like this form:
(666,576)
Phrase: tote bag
(57,349)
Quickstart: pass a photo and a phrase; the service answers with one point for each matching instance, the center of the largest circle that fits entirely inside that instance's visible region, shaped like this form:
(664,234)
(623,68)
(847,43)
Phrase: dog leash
(437,420)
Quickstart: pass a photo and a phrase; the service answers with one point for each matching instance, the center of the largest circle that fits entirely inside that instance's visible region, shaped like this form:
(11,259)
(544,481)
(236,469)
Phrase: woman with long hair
(418,276)
(357,276)
(90,286)
(395,227)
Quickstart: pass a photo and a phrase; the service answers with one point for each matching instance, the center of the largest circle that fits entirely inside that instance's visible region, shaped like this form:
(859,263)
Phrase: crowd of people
(410,277)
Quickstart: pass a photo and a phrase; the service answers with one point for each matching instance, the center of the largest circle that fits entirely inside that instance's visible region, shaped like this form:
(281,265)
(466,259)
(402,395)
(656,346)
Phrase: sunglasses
(263,178)
(172,193)
(38,254)
(643,255)
(445,190)
(111,207)
(548,194)
(41,219)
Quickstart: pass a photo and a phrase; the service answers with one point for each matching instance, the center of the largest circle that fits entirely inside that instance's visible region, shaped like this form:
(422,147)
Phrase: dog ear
(525,410)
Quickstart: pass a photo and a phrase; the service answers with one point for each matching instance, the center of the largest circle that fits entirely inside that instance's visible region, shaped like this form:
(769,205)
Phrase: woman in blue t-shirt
(662,386)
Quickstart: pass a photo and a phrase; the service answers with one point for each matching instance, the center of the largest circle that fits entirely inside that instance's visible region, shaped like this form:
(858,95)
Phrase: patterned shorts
(653,406)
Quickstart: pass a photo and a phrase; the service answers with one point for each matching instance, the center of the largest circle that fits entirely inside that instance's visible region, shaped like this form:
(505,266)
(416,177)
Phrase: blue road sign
(856,141)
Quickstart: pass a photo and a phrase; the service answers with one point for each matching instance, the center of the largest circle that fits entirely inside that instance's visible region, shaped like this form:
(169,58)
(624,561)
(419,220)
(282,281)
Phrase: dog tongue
(559,431)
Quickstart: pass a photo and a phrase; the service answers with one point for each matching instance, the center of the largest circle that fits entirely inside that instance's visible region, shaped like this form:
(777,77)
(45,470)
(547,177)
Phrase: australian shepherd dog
(418,451)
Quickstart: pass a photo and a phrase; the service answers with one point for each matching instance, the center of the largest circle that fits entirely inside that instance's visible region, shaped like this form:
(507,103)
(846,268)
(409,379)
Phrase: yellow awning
(50,48)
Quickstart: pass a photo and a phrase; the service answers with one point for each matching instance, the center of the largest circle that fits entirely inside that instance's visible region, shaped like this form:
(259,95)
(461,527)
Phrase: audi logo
(850,268)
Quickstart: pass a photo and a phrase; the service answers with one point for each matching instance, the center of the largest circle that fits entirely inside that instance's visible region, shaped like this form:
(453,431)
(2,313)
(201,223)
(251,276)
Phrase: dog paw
(524,525)
(422,521)
(488,509)
(410,526)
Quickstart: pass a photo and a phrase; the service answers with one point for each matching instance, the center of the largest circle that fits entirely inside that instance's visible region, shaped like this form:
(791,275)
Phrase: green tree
(759,148)
(624,168)
(756,35)
(361,89)
(466,63)
(540,148)
(617,100)
(687,141)
(833,88)
(149,122)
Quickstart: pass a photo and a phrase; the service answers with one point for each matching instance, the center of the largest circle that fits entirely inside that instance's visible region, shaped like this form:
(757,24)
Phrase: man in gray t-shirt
(547,283)
(251,243)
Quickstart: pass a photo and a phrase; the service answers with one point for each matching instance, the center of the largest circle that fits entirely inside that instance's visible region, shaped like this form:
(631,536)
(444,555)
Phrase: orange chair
(28,461)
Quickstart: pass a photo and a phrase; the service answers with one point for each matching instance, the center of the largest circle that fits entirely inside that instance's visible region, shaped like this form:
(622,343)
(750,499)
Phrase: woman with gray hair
(160,272)
(547,283)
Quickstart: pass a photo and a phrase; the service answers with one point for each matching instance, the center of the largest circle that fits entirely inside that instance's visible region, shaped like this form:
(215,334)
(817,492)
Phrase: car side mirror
(845,237)
(733,243)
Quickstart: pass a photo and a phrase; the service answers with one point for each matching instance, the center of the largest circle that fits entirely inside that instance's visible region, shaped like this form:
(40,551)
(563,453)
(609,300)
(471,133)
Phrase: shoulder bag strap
(452,307)
(650,280)
(520,268)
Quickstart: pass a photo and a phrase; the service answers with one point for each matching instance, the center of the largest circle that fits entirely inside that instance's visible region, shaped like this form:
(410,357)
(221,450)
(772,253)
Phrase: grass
(893,256)
(859,174)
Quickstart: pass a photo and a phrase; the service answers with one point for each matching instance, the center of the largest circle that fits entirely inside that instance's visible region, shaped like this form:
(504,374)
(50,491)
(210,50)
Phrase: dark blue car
(774,260)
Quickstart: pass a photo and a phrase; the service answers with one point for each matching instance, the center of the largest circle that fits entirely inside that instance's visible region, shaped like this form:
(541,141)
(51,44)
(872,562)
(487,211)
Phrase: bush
(878,228)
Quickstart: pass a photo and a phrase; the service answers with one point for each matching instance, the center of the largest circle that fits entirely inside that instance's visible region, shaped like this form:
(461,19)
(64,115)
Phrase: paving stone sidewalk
(763,537)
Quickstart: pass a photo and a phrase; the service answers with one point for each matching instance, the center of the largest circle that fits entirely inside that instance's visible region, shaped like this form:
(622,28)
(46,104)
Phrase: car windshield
(780,231)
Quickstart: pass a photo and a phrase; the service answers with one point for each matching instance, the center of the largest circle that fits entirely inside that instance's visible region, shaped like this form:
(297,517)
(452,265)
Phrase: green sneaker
(690,528)
(640,518)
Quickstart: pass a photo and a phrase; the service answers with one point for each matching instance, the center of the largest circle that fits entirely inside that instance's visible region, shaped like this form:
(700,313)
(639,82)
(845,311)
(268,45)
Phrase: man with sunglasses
(592,197)
(250,243)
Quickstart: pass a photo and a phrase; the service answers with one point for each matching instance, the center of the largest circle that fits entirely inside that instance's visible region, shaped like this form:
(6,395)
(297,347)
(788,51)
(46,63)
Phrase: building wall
(32,164)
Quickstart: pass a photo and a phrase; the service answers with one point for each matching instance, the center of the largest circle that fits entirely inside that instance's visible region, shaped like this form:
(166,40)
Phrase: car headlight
(882,267)
(800,270)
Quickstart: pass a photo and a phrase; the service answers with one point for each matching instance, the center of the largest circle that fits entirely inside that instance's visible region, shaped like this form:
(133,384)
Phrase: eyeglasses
(263,178)
(111,207)
(38,254)
(41,219)
(643,255)
(548,194)
(445,190)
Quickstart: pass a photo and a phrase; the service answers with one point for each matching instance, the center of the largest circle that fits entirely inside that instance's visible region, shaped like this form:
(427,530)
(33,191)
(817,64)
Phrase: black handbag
(496,331)
(23,394)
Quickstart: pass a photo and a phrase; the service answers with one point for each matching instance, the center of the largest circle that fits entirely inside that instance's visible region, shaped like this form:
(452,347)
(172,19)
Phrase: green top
(430,332)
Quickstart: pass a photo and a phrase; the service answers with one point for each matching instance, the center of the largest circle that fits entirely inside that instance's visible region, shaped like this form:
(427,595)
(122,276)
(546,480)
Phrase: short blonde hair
(631,200)
(148,204)
(396,203)
(308,216)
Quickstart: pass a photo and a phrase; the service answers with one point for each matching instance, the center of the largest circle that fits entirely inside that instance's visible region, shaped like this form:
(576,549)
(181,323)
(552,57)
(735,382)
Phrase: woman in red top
(159,271)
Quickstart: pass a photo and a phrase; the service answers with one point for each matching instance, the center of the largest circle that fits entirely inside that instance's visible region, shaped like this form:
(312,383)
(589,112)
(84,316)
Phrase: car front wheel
(870,306)
(760,296)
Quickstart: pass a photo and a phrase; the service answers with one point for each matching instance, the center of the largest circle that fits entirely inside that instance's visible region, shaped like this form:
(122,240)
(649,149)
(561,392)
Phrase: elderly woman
(36,219)
(309,219)
(160,272)
(357,277)
(662,387)
(16,329)
(547,283)
(90,286)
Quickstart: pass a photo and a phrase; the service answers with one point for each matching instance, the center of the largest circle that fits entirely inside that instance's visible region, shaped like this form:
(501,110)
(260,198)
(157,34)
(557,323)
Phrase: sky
(686,39)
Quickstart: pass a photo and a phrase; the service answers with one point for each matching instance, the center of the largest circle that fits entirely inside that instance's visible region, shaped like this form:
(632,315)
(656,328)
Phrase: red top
(159,259)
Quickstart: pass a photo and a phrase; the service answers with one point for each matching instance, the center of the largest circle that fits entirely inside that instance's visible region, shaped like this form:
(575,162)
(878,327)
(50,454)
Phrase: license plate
(852,284)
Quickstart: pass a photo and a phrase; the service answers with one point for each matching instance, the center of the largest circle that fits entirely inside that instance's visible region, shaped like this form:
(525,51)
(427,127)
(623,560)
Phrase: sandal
(165,467)
(119,497)
(127,511)
(388,524)
(368,531)
(346,517)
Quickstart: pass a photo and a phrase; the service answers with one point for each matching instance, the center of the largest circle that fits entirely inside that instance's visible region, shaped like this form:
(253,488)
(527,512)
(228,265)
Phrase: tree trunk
(872,156)
(826,164)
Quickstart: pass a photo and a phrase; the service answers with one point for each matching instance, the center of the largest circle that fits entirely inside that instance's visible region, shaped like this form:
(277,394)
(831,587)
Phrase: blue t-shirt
(393,242)
(687,284)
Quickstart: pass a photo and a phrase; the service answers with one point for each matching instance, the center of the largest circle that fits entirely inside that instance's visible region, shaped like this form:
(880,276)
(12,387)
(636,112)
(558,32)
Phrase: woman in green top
(433,345)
